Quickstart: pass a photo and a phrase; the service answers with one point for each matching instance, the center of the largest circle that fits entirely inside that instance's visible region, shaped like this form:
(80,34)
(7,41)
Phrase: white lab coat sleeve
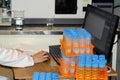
(14,58)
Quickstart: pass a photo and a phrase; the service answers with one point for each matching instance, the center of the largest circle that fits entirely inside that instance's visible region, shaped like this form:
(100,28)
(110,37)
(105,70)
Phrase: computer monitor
(102,25)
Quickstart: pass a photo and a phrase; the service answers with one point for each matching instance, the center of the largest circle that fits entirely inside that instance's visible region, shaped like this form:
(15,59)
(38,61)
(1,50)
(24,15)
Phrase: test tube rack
(65,48)
(102,74)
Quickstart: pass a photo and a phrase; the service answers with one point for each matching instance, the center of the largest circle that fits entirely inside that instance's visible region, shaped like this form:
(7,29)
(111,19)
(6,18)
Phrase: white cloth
(3,78)
(14,58)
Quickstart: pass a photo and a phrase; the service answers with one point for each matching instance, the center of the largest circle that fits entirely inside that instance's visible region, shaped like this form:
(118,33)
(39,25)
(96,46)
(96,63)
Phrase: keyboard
(54,51)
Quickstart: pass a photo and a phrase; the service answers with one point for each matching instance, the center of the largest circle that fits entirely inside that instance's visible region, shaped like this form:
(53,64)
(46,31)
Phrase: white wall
(44,8)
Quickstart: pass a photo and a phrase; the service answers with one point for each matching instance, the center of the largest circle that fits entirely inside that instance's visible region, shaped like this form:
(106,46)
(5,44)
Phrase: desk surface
(26,73)
(49,66)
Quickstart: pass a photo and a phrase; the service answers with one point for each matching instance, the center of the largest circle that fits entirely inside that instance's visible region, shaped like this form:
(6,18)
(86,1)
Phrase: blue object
(95,64)
(94,57)
(95,61)
(74,33)
(88,61)
(81,60)
(48,76)
(55,76)
(45,76)
(67,33)
(75,36)
(35,76)
(42,76)
(81,34)
(88,35)
(102,63)
(101,57)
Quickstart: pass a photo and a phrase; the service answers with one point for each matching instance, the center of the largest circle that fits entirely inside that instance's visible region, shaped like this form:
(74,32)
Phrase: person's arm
(15,58)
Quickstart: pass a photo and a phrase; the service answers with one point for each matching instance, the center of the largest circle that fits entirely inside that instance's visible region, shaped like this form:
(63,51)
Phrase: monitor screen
(102,25)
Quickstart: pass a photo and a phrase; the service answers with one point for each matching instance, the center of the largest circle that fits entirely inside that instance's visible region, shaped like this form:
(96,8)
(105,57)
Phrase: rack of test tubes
(45,76)
(76,42)
(77,50)
(91,67)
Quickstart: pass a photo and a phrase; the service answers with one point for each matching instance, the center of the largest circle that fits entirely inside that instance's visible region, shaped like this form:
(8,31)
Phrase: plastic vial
(42,76)
(81,64)
(95,63)
(88,39)
(75,41)
(102,57)
(68,39)
(75,44)
(72,64)
(87,42)
(81,41)
(102,68)
(55,76)
(72,61)
(65,69)
(88,65)
(35,76)
(72,70)
(48,76)
(66,60)
(82,37)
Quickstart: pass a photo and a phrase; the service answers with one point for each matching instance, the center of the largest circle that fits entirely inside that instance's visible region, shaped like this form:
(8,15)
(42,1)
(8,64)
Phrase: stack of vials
(45,76)
(78,59)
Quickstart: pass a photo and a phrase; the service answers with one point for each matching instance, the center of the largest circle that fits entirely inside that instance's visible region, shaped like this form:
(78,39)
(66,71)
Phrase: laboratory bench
(49,66)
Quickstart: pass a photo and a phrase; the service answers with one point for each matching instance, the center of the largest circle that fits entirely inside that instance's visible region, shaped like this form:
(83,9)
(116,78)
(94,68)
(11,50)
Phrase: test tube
(42,76)
(68,39)
(102,64)
(81,41)
(102,61)
(72,64)
(72,61)
(82,37)
(81,60)
(88,65)
(81,64)
(75,41)
(75,45)
(48,76)
(88,38)
(101,57)
(95,67)
(66,60)
(55,76)
(35,76)
(87,42)
(72,70)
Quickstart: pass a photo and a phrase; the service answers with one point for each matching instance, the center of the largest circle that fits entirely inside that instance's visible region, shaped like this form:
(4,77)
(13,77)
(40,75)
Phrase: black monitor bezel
(112,33)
